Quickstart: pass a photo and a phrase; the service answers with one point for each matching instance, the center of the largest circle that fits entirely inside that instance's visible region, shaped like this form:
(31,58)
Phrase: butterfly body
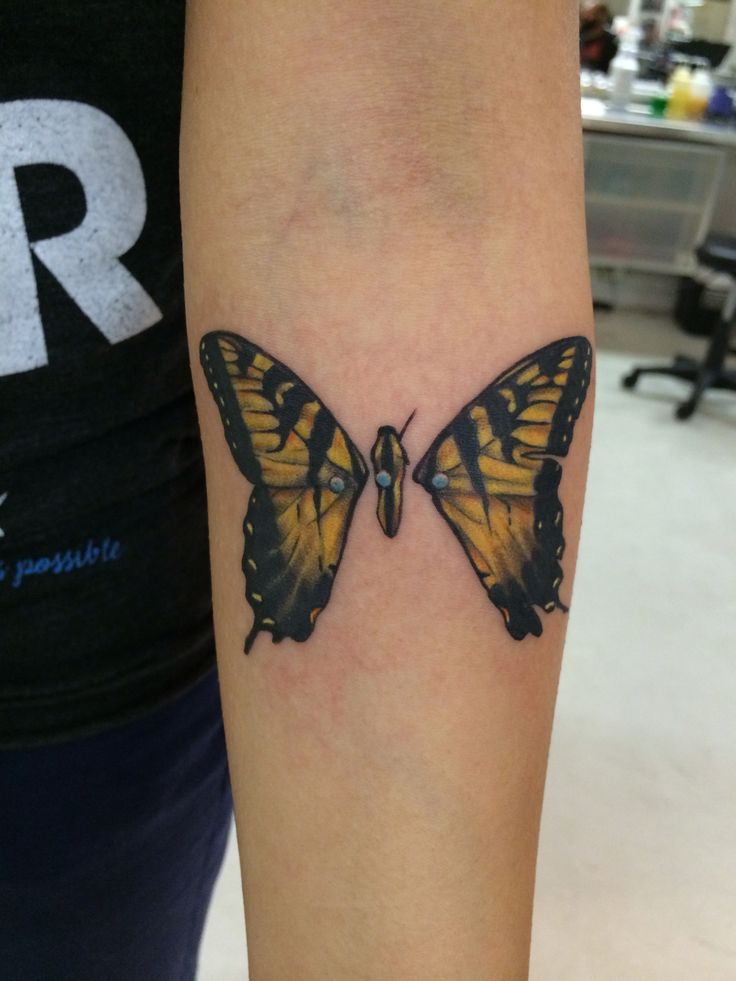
(389,461)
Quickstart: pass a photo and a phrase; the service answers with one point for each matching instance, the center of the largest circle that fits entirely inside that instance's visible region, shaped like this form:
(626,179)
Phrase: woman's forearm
(387,199)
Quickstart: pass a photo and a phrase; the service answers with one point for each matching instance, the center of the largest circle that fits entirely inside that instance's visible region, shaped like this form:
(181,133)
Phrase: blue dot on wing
(383,478)
(337,485)
(440,481)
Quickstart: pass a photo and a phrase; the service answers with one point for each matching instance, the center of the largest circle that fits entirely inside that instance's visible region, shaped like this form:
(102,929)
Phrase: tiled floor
(637,868)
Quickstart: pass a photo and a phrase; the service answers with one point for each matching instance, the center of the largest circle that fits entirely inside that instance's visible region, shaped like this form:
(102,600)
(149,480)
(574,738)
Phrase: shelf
(627,201)
(648,202)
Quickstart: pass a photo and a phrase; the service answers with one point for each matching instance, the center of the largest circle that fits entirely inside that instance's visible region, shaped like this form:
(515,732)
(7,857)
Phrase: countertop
(599,118)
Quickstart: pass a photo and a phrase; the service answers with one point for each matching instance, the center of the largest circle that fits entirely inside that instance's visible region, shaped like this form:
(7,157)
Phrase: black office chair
(717,253)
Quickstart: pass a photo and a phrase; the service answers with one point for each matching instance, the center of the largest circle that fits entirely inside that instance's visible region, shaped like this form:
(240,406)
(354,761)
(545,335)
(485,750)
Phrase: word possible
(61,563)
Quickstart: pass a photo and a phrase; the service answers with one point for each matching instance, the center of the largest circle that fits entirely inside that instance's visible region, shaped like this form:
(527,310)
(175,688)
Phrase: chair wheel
(685,410)
(628,381)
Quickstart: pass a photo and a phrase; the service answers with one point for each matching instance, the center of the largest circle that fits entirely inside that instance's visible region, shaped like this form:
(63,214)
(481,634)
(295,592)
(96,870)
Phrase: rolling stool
(718,254)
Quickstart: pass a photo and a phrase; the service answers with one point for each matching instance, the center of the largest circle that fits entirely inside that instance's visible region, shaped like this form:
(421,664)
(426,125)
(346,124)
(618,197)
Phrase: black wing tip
(583,351)
(298,633)
(531,623)
(213,336)
(209,346)
(580,342)
(518,631)
(585,343)
(257,629)
(211,341)
(251,638)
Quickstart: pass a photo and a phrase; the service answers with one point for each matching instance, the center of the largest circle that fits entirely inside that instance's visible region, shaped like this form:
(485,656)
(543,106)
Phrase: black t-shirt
(104,580)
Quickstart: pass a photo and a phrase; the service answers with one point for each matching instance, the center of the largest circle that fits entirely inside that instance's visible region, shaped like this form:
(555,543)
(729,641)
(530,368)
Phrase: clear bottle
(624,69)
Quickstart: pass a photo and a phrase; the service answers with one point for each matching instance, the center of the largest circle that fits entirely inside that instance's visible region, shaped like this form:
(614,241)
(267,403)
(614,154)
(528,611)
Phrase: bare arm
(387,200)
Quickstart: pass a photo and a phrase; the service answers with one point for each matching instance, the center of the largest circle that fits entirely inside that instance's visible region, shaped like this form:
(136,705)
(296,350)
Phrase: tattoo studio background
(104,579)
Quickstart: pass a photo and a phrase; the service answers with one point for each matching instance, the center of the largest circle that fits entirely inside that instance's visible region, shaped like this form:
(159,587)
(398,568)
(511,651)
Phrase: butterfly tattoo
(493,474)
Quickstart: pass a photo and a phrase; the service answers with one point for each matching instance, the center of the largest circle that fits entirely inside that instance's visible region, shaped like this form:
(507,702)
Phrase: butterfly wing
(493,477)
(307,477)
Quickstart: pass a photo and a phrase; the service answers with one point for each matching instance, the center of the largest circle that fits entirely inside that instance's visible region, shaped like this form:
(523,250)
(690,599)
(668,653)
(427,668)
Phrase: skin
(389,202)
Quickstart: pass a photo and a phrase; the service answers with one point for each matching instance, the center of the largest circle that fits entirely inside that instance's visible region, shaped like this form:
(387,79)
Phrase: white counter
(598,117)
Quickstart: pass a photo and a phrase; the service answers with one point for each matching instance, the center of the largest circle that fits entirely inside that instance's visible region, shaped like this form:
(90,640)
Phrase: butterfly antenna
(406,424)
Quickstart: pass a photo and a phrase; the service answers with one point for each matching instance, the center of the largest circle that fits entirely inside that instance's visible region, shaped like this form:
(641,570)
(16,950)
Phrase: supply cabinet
(649,201)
